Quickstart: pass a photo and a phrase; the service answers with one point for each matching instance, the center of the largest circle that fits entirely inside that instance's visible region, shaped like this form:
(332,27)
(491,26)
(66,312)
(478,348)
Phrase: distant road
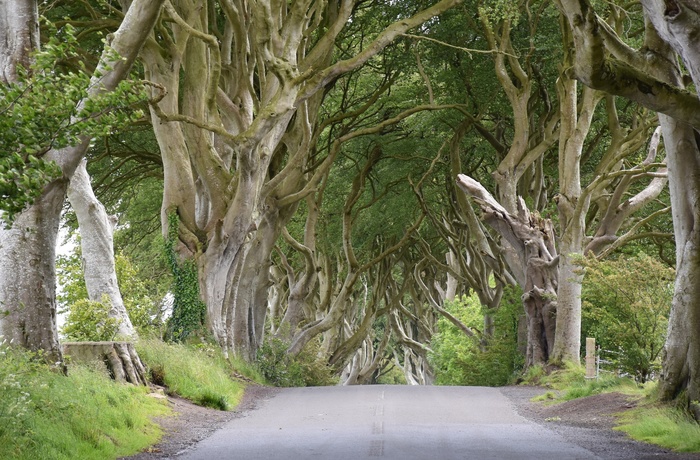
(390,422)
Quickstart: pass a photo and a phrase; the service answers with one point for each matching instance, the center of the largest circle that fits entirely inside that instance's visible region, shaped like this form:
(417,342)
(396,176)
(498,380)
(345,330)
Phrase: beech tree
(652,77)
(97,248)
(27,248)
(539,253)
(238,87)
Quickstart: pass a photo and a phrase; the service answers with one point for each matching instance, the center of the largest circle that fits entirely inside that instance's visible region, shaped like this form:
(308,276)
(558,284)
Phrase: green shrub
(283,370)
(626,304)
(88,320)
(393,375)
(460,360)
(143,309)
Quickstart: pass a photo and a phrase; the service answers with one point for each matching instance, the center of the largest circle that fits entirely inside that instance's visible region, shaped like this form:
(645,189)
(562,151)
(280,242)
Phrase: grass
(85,415)
(665,426)
(651,421)
(200,374)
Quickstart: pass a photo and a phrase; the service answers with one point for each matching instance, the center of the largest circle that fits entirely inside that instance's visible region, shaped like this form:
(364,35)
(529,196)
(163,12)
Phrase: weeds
(305,369)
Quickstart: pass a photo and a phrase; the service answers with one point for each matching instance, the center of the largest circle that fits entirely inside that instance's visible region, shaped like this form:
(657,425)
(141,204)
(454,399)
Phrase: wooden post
(591,372)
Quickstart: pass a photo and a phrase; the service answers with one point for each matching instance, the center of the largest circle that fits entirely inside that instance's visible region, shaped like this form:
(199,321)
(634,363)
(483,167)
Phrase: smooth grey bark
(19,36)
(532,237)
(676,23)
(97,247)
(236,133)
(27,249)
(651,78)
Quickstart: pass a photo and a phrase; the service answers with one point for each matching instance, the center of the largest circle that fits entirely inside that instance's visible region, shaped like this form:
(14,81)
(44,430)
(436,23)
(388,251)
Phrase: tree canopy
(339,176)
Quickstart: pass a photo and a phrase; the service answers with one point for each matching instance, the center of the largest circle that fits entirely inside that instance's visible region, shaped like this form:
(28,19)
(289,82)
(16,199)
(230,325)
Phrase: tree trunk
(119,359)
(19,36)
(681,358)
(676,22)
(27,249)
(651,79)
(97,245)
(576,118)
(236,130)
(28,276)
(532,237)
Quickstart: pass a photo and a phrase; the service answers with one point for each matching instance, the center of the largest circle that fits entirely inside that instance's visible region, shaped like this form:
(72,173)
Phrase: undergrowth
(198,373)
(651,421)
(47,415)
(282,370)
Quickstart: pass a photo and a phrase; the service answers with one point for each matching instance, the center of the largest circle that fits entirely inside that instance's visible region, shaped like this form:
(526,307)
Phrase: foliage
(86,415)
(188,308)
(143,309)
(307,368)
(393,375)
(460,360)
(626,304)
(50,109)
(89,320)
(198,373)
(69,272)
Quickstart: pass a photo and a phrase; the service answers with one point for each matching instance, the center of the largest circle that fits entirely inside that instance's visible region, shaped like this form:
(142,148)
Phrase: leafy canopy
(47,109)
(626,305)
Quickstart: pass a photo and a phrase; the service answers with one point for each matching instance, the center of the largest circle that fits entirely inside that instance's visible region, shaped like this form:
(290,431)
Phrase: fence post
(591,371)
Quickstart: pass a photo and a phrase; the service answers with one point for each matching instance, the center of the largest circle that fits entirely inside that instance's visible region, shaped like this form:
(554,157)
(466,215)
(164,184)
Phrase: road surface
(389,422)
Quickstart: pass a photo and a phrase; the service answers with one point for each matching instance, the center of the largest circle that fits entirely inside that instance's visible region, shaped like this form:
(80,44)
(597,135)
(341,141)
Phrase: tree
(97,249)
(542,251)
(651,77)
(626,305)
(241,84)
(27,249)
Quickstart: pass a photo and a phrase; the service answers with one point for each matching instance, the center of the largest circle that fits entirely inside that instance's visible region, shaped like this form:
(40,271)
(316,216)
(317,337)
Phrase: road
(389,422)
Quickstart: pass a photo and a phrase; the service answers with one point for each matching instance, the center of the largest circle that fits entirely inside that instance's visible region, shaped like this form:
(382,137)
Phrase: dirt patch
(588,422)
(597,411)
(191,423)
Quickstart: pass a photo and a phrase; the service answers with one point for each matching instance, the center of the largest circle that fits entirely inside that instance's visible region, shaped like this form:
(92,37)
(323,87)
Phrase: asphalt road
(390,422)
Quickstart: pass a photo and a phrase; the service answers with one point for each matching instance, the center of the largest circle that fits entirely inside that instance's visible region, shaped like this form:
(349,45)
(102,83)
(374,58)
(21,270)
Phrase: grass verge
(651,421)
(662,425)
(85,415)
(200,374)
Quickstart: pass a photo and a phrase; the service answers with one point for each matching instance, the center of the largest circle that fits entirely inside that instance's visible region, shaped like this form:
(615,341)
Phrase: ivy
(188,308)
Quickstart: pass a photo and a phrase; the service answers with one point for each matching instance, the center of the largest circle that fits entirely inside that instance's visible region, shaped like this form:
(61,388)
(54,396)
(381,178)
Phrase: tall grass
(201,375)
(665,426)
(85,415)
